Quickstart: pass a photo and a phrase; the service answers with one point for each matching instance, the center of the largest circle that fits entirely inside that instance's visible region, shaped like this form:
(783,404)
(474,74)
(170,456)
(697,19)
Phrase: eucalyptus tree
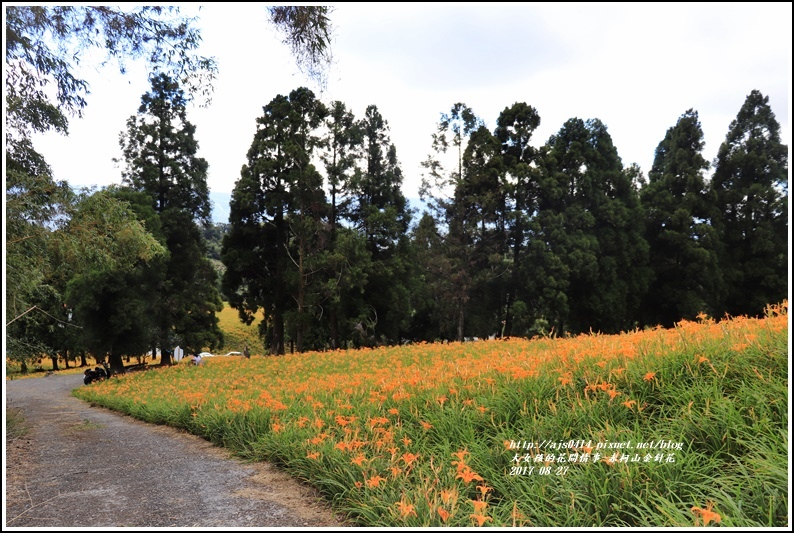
(44,46)
(750,184)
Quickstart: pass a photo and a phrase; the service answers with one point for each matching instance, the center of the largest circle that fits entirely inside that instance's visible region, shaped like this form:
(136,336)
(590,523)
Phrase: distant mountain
(220,206)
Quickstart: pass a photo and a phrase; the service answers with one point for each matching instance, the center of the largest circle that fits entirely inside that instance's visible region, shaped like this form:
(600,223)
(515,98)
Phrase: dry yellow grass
(236,333)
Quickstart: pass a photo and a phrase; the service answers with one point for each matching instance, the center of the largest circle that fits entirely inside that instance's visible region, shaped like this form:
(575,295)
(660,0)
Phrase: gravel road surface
(82,466)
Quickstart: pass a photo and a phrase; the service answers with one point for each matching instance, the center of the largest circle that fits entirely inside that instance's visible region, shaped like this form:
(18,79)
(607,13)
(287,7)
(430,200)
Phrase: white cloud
(637,67)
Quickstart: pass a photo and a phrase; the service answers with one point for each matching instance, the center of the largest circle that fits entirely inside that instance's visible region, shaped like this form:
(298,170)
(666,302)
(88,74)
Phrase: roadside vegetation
(665,427)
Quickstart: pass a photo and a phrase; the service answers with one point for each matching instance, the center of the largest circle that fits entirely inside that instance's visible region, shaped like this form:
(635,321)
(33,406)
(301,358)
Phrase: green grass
(15,424)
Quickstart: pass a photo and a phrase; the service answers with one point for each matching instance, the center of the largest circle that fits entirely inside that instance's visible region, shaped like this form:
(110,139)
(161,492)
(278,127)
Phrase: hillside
(236,334)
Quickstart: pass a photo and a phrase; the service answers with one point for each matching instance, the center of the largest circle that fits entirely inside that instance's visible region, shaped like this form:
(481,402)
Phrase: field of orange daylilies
(664,427)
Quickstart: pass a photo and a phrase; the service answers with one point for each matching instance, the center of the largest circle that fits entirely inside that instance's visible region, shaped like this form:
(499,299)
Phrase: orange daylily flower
(409,458)
(612,393)
(448,494)
(378,420)
(406,441)
(629,403)
(484,489)
(358,460)
(394,411)
(443,513)
(406,509)
(706,514)
(468,475)
(425,424)
(480,519)
(461,455)
(374,482)
(342,421)
(479,505)
(313,455)
(649,376)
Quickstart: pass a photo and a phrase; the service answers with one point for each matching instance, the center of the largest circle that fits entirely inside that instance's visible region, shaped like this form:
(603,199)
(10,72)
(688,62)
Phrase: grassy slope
(425,435)
(236,334)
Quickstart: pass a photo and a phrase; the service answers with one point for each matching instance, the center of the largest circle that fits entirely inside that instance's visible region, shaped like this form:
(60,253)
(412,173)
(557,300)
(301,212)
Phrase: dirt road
(83,466)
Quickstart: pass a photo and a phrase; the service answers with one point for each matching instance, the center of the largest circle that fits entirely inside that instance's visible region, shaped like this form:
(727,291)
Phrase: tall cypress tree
(514,129)
(750,183)
(345,274)
(277,206)
(587,250)
(683,243)
(380,213)
(160,151)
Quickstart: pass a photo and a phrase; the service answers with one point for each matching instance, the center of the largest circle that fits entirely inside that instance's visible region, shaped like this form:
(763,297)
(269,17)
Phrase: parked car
(205,354)
(234,353)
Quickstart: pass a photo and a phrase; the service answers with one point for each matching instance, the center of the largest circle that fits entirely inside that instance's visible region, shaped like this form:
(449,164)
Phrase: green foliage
(160,152)
(275,215)
(683,243)
(55,236)
(307,31)
(750,185)
(45,44)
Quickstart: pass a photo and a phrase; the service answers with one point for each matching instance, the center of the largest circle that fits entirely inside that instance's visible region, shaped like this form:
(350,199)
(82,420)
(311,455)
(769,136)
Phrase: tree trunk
(54,359)
(334,323)
(461,317)
(116,363)
(277,343)
(165,356)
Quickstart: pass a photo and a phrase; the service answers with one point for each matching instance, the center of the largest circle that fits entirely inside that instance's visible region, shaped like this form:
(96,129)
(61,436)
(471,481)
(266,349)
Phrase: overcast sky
(636,67)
